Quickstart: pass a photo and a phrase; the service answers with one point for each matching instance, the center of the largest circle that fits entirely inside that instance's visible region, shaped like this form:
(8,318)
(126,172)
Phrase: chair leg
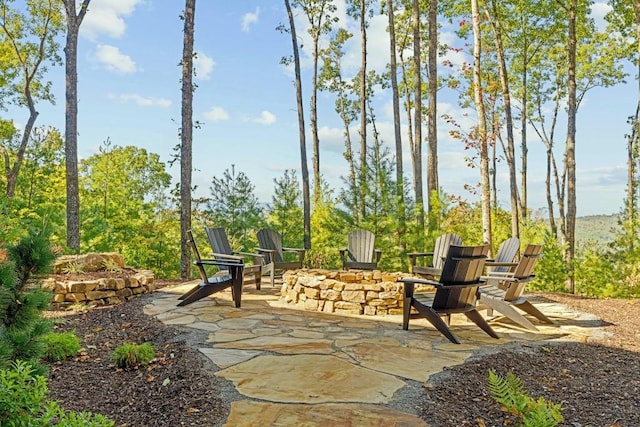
(477,318)
(435,319)
(269,268)
(189,292)
(529,308)
(203,290)
(507,310)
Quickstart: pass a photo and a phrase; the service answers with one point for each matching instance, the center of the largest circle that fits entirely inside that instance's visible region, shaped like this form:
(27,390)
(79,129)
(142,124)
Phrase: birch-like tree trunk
(432,154)
(485,192)
(417,120)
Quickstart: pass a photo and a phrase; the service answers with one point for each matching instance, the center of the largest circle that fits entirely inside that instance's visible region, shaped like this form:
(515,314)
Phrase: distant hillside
(596,227)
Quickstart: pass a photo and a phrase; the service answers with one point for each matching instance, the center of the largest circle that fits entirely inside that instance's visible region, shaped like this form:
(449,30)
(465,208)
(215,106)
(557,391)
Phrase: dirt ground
(597,383)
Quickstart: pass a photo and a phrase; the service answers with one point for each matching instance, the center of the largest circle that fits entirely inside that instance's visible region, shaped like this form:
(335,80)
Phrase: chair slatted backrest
(361,244)
(507,253)
(463,266)
(271,240)
(441,248)
(523,271)
(218,240)
(196,255)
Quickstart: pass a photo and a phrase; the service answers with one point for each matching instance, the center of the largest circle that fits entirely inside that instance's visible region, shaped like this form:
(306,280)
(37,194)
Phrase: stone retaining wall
(118,285)
(344,292)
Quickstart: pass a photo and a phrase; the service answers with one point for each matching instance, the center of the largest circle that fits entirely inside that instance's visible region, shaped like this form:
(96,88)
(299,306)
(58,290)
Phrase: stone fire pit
(344,292)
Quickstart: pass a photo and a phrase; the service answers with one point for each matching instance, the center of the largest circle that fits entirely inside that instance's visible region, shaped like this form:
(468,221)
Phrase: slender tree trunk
(71,120)
(303,144)
(432,155)
(482,126)
(417,121)
(570,149)
(186,146)
(314,124)
(363,106)
(506,95)
(523,143)
(393,68)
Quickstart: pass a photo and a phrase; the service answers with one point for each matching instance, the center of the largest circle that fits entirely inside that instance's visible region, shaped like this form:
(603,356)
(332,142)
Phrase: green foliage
(22,326)
(60,345)
(129,355)
(551,270)
(23,402)
(509,392)
(234,206)
(285,213)
(330,228)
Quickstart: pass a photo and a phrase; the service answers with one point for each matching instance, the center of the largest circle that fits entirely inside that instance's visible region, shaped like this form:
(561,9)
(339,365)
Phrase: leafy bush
(23,402)
(60,345)
(509,392)
(550,271)
(129,355)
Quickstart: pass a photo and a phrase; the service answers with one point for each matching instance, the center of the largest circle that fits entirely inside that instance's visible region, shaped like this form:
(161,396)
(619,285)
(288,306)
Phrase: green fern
(509,392)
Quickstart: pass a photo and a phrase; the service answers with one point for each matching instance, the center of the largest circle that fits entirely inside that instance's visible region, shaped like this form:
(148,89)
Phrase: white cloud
(106,17)
(266,118)
(250,18)
(598,12)
(140,100)
(114,60)
(204,65)
(216,114)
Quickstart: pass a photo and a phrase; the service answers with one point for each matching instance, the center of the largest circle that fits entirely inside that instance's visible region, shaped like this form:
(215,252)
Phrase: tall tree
(28,38)
(319,15)
(71,119)
(303,143)
(416,151)
(485,195)
(397,131)
(432,134)
(186,132)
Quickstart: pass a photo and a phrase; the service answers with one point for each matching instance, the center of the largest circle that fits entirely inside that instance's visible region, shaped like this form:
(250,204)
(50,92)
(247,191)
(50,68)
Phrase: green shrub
(23,402)
(509,392)
(60,345)
(128,356)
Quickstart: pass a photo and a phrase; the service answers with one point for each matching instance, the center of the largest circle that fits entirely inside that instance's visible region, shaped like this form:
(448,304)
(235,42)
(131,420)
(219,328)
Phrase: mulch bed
(596,383)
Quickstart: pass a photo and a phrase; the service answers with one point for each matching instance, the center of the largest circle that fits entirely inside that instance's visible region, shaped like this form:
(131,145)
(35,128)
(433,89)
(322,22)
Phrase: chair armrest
(294,249)
(250,254)
(418,280)
(491,263)
(219,263)
(343,253)
(417,254)
(265,251)
(226,257)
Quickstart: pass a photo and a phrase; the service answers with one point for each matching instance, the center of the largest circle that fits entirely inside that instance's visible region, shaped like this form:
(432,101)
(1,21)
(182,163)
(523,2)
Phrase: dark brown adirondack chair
(456,292)
(360,253)
(438,256)
(229,276)
(219,242)
(503,291)
(503,260)
(271,248)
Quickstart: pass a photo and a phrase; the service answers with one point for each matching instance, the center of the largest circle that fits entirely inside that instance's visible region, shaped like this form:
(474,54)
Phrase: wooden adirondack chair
(456,292)
(229,276)
(360,253)
(503,291)
(438,256)
(271,248)
(507,252)
(219,242)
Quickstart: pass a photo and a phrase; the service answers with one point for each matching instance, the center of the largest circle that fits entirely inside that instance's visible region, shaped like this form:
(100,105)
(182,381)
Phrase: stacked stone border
(344,292)
(122,284)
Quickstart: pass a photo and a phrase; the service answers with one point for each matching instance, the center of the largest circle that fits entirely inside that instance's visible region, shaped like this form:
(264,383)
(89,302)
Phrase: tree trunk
(71,120)
(186,146)
(523,144)
(432,155)
(363,106)
(482,126)
(417,123)
(303,144)
(506,94)
(393,69)
(570,149)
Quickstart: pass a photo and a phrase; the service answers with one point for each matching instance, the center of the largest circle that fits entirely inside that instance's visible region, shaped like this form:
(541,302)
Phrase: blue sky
(129,91)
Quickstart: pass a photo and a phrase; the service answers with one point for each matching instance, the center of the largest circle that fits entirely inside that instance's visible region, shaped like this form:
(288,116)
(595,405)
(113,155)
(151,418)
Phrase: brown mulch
(597,383)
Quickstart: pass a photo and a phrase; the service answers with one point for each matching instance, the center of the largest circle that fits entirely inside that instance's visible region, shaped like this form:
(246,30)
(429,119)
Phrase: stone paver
(301,368)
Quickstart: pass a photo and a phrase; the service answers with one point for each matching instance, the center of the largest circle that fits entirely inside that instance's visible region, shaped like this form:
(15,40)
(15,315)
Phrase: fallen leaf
(150,378)
(166,382)
(192,410)
(480,422)
(96,329)
(126,325)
